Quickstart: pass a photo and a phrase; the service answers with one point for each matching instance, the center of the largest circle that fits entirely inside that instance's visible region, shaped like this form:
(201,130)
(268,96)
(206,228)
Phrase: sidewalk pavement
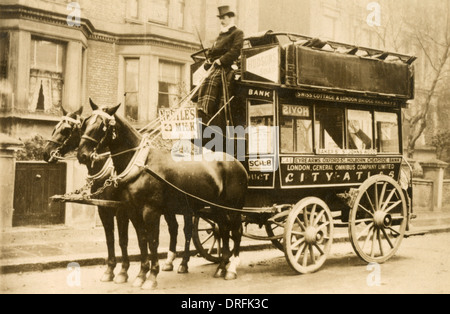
(48,247)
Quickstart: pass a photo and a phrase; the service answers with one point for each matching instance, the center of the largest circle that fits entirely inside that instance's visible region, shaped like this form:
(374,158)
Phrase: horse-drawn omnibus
(323,147)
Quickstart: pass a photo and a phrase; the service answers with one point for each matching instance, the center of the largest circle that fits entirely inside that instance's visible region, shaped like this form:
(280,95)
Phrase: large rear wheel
(378,219)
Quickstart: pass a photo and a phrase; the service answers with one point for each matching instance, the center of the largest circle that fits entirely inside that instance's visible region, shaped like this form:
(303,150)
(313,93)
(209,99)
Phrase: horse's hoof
(107,277)
(220,272)
(183,269)
(121,279)
(149,285)
(230,276)
(138,282)
(167,267)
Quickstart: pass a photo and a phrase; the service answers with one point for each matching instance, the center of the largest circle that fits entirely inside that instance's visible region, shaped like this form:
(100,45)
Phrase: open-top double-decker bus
(323,146)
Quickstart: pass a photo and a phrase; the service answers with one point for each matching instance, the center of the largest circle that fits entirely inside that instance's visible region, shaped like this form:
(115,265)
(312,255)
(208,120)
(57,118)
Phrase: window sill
(133,21)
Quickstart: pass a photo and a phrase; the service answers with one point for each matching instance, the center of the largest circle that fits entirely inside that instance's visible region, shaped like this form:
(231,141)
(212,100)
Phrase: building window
(132,89)
(179,21)
(159,11)
(46,75)
(133,9)
(170,84)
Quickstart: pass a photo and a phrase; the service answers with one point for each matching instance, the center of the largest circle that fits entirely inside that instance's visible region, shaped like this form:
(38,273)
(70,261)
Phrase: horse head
(97,132)
(65,136)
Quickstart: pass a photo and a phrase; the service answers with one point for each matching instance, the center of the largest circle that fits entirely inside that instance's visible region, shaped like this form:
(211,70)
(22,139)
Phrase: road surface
(422,265)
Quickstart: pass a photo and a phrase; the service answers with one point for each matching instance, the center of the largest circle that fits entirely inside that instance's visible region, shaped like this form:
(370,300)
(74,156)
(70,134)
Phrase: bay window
(46,75)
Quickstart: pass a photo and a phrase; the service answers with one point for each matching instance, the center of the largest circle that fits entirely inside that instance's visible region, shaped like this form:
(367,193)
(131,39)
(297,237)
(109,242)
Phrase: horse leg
(226,253)
(236,235)
(138,224)
(173,231)
(107,218)
(152,220)
(188,225)
(122,224)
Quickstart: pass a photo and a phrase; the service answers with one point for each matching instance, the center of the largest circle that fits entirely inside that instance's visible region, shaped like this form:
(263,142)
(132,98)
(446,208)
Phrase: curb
(96,261)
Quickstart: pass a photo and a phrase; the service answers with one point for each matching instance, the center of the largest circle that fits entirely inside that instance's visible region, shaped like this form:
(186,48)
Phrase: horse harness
(75,125)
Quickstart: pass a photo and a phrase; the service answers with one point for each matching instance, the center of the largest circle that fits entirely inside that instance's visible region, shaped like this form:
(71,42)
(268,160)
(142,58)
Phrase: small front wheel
(308,235)
(206,238)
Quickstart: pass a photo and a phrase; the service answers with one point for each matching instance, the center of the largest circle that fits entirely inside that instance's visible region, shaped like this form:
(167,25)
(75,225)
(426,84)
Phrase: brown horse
(66,137)
(148,184)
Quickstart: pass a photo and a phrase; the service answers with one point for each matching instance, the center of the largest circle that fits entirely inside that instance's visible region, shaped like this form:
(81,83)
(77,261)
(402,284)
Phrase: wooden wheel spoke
(212,246)
(370,201)
(367,229)
(387,238)
(298,243)
(372,250)
(313,259)
(363,220)
(319,249)
(393,206)
(305,257)
(319,216)
(209,237)
(377,201)
(311,216)
(385,204)
(300,223)
(305,217)
(300,251)
(366,241)
(383,190)
(323,226)
(380,243)
(365,209)
(395,231)
(298,233)
(206,229)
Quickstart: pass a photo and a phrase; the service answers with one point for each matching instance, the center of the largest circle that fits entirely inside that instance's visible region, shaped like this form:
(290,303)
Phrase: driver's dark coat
(227,47)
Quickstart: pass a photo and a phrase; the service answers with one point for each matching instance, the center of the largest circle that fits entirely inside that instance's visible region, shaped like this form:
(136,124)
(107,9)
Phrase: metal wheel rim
(302,253)
(378,219)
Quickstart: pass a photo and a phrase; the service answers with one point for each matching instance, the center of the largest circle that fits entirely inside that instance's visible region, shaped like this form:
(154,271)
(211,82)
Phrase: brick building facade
(134,52)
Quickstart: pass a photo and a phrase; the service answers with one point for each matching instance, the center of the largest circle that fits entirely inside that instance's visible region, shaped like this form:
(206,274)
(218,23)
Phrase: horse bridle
(75,124)
(109,122)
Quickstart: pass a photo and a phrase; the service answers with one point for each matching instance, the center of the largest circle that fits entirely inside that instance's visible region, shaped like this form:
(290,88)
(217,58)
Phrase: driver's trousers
(210,92)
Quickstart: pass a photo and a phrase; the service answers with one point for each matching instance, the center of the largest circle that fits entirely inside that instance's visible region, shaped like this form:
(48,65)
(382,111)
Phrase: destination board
(317,171)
